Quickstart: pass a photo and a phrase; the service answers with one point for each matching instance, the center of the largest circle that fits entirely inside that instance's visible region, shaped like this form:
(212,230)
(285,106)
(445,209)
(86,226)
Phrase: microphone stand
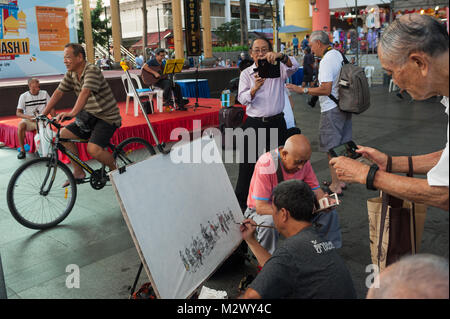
(196,105)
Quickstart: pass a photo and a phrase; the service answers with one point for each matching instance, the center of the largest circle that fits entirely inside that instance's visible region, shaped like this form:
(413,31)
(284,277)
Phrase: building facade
(258,14)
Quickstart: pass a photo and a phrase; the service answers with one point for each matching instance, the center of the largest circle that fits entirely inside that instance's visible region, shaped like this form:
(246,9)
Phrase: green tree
(229,32)
(100,28)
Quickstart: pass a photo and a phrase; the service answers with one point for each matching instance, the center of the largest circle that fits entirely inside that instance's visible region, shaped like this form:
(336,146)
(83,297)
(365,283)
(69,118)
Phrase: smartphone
(268,70)
(347,149)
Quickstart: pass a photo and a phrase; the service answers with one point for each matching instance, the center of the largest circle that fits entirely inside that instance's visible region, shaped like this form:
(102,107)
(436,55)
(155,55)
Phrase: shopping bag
(43,139)
(395,226)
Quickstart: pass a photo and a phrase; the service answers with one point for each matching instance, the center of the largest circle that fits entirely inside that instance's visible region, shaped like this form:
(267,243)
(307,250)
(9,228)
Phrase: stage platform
(10,89)
(162,123)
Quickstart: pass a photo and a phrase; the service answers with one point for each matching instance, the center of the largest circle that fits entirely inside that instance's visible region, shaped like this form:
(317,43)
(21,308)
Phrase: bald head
(298,144)
(422,276)
(295,153)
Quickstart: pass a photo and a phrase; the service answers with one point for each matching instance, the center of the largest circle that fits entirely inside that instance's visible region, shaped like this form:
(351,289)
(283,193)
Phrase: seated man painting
(305,265)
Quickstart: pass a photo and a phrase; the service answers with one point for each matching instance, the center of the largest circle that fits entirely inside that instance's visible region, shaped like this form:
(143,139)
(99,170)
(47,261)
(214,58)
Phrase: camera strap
(277,160)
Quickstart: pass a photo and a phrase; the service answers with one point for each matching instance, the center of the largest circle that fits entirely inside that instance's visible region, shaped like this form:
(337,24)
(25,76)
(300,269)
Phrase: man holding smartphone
(415,50)
(264,98)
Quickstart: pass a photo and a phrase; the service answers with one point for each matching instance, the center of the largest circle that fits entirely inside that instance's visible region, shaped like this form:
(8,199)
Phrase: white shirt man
(329,69)
(30,103)
(336,36)
(438,175)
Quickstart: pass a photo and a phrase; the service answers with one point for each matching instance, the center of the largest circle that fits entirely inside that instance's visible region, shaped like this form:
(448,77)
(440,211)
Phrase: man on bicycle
(96,112)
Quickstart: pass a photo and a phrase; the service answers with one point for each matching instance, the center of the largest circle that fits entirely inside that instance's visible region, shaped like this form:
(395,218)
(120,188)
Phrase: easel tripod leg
(136,281)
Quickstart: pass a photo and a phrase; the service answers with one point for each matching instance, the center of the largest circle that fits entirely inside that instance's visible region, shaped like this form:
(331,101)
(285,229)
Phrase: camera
(347,149)
(268,70)
(313,100)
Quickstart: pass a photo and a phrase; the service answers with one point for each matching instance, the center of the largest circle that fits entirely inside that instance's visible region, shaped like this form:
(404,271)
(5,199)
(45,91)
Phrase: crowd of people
(281,189)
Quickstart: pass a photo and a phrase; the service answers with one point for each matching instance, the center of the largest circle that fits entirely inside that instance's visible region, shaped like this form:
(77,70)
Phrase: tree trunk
(144,31)
(244,27)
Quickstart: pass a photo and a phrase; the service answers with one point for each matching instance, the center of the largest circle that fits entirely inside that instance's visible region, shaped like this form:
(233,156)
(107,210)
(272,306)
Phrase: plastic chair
(392,86)
(141,92)
(368,70)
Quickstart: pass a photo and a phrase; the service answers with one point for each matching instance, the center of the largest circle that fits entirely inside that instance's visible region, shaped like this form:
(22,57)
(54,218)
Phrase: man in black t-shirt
(305,265)
(156,66)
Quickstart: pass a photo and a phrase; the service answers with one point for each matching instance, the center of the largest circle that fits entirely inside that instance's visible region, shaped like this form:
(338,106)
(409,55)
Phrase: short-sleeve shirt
(101,102)
(329,70)
(438,175)
(295,41)
(265,178)
(305,43)
(308,62)
(153,62)
(30,103)
(305,266)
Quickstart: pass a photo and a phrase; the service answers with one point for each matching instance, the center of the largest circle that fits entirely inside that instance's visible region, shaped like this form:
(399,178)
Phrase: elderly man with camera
(415,50)
(262,90)
(335,126)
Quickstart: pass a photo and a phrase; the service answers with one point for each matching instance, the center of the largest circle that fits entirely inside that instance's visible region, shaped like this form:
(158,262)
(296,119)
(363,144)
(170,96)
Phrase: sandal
(77,181)
(328,183)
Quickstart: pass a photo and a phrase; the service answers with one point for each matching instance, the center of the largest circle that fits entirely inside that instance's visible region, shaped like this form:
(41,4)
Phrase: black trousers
(165,84)
(247,167)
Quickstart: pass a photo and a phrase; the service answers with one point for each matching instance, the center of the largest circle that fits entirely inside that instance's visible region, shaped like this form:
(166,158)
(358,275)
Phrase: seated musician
(152,74)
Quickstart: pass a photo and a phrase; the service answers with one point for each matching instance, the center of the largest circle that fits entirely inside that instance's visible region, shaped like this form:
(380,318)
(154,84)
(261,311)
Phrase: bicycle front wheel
(35,195)
(132,150)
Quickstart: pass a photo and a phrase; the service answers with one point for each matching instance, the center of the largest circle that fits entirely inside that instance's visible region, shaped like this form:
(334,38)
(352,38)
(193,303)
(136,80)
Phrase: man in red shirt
(293,161)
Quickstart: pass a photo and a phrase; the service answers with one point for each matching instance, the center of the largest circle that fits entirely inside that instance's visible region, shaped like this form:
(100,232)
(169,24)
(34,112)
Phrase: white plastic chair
(145,92)
(368,70)
(392,86)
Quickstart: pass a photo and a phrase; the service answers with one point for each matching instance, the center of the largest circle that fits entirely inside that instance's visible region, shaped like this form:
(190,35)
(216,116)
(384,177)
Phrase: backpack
(230,117)
(354,94)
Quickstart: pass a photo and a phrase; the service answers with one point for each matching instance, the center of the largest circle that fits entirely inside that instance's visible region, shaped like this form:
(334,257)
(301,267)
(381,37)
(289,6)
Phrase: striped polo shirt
(30,103)
(101,102)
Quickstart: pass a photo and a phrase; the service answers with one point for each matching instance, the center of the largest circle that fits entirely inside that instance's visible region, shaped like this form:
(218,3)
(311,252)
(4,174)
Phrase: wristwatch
(305,90)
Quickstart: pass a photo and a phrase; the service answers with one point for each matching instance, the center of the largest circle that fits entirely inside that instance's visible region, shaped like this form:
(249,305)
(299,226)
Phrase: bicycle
(36,195)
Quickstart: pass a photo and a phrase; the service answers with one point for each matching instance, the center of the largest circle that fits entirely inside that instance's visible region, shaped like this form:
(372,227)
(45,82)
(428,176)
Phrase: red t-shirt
(265,179)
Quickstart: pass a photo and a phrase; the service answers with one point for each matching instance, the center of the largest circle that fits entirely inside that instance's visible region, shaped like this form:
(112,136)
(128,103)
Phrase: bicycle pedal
(82,180)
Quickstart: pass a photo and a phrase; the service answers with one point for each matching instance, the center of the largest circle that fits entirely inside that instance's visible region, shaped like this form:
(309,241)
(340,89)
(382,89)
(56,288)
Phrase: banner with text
(32,36)
(192,27)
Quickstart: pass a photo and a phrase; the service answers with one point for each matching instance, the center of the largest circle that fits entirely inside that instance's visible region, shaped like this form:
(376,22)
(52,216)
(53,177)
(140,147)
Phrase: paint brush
(266,226)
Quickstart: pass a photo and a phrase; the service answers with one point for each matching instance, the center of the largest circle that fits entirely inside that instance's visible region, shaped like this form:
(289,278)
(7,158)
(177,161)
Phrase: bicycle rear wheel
(132,150)
(36,198)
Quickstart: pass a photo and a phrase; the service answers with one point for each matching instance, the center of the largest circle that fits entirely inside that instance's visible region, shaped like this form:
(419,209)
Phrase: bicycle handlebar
(47,120)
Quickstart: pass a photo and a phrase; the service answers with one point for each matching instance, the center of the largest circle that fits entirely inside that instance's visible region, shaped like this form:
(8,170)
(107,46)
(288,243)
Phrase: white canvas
(181,216)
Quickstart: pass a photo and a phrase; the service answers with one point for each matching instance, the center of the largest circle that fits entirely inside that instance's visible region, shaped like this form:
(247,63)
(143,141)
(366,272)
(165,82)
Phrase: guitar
(148,78)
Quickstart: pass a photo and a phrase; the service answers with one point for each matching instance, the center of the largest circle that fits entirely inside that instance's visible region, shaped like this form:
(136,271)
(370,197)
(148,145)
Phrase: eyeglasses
(263,50)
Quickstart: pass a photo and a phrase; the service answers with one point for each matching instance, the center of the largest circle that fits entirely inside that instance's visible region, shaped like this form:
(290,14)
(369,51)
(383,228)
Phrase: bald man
(288,162)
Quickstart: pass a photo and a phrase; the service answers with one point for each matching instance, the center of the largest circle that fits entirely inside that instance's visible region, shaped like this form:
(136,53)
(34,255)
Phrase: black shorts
(89,127)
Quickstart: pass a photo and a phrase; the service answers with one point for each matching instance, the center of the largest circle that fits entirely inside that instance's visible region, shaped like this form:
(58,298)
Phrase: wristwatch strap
(371,177)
